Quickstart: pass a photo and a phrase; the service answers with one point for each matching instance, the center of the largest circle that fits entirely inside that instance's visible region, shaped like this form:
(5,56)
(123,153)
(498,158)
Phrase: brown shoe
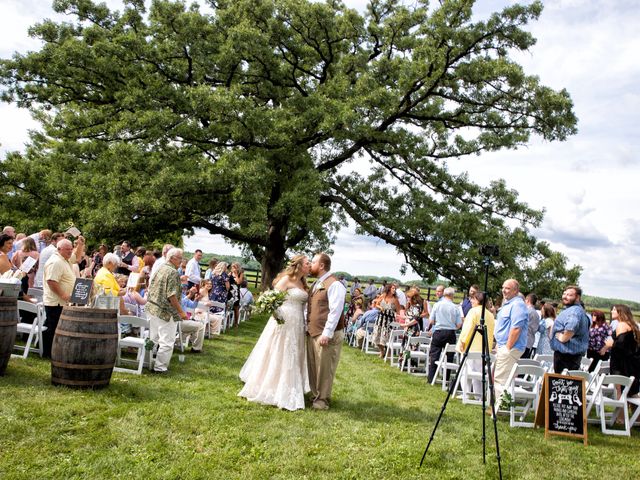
(320,406)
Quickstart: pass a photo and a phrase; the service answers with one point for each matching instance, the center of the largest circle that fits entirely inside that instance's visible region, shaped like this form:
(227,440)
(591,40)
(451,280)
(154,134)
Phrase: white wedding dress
(276,371)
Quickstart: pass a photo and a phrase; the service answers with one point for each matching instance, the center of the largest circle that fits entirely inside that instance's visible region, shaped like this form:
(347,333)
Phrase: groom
(325,324)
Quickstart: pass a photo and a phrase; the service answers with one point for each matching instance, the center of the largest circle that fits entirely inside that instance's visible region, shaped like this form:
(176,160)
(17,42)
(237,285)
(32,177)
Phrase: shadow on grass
(377,411)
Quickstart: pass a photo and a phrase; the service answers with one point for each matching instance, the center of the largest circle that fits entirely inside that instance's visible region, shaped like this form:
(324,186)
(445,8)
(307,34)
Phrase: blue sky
(587,185)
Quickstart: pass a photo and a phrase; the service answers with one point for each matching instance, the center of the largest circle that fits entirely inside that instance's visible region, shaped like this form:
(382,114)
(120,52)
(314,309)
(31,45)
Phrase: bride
(276,371)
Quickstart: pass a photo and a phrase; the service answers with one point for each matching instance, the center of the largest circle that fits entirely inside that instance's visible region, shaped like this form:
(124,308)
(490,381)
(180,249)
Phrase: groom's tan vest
(318,309)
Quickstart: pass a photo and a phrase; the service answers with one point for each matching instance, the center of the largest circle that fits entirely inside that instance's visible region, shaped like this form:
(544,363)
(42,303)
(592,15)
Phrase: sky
(587,185)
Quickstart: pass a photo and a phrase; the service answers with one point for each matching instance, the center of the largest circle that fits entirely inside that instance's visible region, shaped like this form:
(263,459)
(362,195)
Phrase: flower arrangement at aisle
(269,301)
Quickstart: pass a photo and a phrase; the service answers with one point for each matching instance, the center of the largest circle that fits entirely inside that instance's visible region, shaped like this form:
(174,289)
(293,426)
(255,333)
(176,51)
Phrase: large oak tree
(272,122)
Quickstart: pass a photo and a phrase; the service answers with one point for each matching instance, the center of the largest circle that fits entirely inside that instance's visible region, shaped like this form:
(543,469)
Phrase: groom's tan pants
(322,363)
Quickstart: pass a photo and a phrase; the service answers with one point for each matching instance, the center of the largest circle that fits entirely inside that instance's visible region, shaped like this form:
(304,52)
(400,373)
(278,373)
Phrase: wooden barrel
(8,327)
(84,347)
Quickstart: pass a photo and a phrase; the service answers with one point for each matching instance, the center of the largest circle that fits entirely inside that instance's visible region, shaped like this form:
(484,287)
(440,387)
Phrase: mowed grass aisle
(190,424)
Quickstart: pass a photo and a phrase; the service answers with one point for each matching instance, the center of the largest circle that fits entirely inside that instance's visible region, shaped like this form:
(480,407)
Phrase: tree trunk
(271,264)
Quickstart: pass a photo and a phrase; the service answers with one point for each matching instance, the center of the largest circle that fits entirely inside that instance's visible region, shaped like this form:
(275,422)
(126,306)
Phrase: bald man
(59,279)
(510,333)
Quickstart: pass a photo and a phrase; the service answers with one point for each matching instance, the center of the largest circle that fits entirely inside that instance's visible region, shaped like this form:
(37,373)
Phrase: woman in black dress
(625,356)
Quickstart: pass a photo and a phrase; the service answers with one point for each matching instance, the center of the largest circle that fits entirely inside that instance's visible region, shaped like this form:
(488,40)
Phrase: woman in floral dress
(389,306)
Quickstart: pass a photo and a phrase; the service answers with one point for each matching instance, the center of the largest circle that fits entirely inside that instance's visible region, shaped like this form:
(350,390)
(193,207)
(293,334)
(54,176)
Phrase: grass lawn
(190,424)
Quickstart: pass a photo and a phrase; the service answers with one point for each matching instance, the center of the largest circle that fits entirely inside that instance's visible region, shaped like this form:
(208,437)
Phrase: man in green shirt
(163,308)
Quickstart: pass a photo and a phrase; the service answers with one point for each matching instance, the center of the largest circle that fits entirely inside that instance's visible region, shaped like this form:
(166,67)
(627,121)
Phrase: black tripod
(486,372)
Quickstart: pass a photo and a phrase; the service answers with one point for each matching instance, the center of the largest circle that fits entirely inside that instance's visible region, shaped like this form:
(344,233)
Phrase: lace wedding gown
(276,371)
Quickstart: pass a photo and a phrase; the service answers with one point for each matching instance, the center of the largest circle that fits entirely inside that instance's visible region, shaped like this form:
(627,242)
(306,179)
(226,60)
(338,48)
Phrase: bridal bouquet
(269,301)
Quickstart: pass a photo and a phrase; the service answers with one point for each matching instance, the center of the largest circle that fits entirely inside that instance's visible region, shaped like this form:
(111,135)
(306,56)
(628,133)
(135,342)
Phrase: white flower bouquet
(269,301)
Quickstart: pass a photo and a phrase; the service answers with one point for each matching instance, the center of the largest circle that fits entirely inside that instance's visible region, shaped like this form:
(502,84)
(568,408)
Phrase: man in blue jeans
(446,318)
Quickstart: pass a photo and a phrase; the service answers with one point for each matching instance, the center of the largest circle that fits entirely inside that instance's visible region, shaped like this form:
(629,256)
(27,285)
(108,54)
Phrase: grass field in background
(190,424)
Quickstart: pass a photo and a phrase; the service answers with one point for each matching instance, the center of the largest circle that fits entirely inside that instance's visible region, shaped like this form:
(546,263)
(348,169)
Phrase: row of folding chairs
(604,403)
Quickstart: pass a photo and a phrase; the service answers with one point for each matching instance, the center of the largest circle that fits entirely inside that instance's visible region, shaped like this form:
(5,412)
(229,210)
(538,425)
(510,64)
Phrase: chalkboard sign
(562,406)
(81,291)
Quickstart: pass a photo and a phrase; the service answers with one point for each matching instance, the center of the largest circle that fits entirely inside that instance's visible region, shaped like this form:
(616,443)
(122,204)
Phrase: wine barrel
(84,348)
(8,327)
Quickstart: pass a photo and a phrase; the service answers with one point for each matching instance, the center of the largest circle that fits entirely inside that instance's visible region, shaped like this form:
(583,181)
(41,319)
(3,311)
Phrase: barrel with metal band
(85,347)
(8,327)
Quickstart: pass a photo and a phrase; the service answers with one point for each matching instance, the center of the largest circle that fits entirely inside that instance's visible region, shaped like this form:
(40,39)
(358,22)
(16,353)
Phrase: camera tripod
(486,373)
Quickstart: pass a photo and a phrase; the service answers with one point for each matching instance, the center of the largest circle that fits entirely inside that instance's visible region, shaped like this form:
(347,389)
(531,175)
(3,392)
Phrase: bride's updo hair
(292,270)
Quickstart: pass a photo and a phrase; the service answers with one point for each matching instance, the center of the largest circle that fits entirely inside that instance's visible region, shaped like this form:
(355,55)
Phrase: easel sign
(562,407)
(81,291)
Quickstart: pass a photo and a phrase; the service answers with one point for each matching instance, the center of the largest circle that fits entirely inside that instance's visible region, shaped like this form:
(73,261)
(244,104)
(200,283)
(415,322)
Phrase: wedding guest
(356,298)
(426,310)
(544,329)
(471,322)
(369,293)
(193,269)
(366,321)
(412,317)
(163,308)
(6,244)
(160,261)
(9,230)
(445,319)
(45,254)
(209,272)
(246,297)
(235,279)
(355,285)
(135,296)
(598,334)
(466,303)
(148,260)
(28,250)
(219,286)
(402,297)
(96,261)
(510,335)
(58,286)
(532,327)
(570,334)
(624,347)
(106,279)
(41,239)
(389,306)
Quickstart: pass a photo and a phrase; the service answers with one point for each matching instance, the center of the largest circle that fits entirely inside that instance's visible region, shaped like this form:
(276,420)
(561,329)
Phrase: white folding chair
(33,330)
(416,354)
(367,345)
(394,345)
(220,318)
(585,363)
(444,366)
(229,316)
(635,401)
(524,395)
(245,312)
(467,376)
(36,293)
(137,342)
(601,367)
(546,360)
(132,308)
(578,373)
(619,403)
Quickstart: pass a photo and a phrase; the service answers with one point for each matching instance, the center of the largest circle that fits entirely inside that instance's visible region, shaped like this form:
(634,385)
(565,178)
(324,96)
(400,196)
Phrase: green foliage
(606,304)
(191,424)
(273,122)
